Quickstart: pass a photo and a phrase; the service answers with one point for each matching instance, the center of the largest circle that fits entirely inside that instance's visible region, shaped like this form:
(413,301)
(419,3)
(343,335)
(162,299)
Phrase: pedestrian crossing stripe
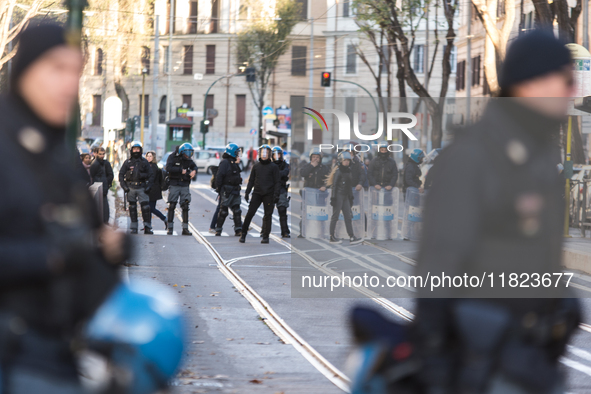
(254,234)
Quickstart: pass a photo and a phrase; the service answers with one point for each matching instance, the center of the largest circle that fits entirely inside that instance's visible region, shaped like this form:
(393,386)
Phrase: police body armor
(134,177)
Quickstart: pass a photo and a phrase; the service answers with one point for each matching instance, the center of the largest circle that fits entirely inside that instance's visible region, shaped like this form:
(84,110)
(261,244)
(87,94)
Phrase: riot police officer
(137,178)
(283,202)
(181,169)
(266,181)
(412,172)
(227,184)
(383,172)
(314,174)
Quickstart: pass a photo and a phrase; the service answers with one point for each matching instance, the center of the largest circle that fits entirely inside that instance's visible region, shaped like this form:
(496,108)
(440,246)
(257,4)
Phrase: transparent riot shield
(383,219)
(357,215)
(413,214)
(315,213)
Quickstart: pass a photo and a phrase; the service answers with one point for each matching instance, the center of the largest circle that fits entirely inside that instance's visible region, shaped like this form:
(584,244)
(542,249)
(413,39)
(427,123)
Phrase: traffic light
(325,79)
(250,74)
(204,126)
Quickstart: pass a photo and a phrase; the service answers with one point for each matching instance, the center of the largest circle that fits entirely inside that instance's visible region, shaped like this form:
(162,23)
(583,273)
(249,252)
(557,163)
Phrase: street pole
(567,170)
(169,60)
(155,84)
(425,132)
(74,33)
(142,110)
(467,80)
(586,23)
(311,88)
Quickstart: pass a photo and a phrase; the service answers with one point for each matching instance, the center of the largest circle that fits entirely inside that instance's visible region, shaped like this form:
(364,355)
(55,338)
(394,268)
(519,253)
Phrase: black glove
(333,201)
(276,200)
(147,190)
(246,198)
(126,189)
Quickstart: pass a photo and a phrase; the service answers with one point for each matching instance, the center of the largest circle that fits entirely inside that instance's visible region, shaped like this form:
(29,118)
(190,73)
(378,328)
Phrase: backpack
(214,171)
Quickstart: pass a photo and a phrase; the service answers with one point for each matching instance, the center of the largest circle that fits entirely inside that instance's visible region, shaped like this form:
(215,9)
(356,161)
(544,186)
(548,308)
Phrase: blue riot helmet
(265,152)
(232,149)
(136,144)
(417,155)
(277,153)
(344,155)
(315,151)
(139,328)
(186,150)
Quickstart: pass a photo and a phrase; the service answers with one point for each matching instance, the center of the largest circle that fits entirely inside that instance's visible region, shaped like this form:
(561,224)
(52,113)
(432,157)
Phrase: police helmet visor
(277,155)
(265,153)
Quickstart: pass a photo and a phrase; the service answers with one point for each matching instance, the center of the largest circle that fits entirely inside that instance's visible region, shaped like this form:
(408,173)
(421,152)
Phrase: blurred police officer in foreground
(57,258)
(181,170)
(137,179)
(496,203)
(283,202)
(227,184)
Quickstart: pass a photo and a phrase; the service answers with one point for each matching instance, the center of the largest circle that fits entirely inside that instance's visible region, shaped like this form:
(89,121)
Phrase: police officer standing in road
(283,202)
(227,184)
(136,179)
(412,172)
(58,259)
(101,171)
(496,206)
(266,181)
(383,172)
(314,174)
(181,170)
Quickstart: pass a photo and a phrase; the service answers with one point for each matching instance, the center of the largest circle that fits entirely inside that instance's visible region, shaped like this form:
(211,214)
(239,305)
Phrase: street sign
(198,76)
(268,110)
(195,114)
(212,113)
(253,131)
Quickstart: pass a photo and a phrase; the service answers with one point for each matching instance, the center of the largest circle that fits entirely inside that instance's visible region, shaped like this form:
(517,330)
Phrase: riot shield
(383,218)
(413,214)
(357,215)
(315,213)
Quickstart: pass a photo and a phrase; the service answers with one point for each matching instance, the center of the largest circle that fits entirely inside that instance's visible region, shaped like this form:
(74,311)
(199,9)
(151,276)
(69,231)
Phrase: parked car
(206,159)
(162,162)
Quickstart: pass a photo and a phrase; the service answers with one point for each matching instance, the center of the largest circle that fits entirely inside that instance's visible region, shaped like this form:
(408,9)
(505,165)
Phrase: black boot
(186,232)
(242,237)
(170,225)
(265,240)
(148,230)
(133,217)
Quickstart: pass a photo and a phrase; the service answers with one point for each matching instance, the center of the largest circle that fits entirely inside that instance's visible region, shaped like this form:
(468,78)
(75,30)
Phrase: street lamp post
(142,109)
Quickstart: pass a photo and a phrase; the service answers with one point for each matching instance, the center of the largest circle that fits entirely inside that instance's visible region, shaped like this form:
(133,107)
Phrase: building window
(210,59)
(460,75)
(298,60)
(346,8)
(146,105)
(188,99)
(98,62)
(453,58)
(476,71)
(165,49)
(240,110)
(418,59)
(188,57)
(192,22)
(303,8)
(96,110)
(209,105)
(215,14)
(146,59)
(162,110)
(351,59)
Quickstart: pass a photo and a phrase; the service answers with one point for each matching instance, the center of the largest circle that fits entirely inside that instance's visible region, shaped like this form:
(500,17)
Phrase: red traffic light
(325,81)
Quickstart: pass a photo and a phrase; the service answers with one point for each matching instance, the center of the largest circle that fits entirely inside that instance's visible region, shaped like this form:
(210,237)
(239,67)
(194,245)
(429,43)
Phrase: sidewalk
(576,252)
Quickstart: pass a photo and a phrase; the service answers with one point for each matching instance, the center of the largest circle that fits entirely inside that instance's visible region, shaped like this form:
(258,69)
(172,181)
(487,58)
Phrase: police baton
(125,201)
